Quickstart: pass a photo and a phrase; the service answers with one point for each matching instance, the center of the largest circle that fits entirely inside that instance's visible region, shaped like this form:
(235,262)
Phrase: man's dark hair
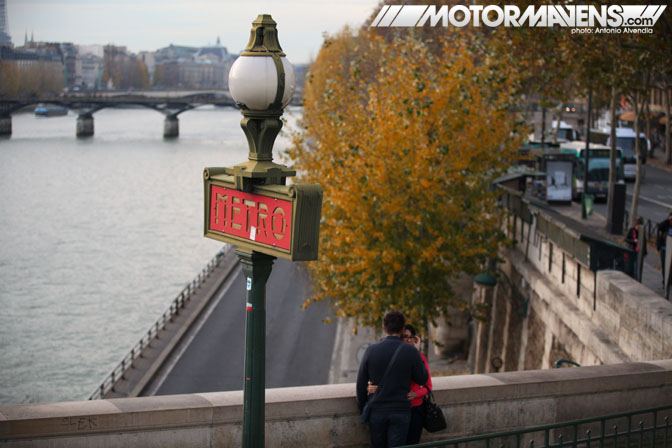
(393,322)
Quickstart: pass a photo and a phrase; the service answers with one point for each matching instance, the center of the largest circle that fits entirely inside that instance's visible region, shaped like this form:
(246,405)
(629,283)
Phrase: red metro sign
(253,217)
(278,220)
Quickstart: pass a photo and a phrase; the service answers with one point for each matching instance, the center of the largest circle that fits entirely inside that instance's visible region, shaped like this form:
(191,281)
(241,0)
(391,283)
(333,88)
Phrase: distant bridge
(169,103)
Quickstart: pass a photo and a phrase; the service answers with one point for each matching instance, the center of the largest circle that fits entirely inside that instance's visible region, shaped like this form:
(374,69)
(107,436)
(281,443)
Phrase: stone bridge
(88,104)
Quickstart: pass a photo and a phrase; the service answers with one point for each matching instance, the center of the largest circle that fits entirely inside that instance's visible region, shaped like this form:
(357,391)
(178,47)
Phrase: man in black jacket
(390,406)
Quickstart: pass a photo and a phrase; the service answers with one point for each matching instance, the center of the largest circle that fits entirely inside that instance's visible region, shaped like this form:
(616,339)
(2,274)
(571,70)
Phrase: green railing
(642,429)
(592,251)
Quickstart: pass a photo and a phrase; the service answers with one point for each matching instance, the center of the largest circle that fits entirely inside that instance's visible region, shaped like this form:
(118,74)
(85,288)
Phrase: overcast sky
(152,24)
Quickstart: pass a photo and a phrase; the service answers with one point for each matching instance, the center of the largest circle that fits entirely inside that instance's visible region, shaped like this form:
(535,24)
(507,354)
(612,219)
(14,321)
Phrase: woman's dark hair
(410,328)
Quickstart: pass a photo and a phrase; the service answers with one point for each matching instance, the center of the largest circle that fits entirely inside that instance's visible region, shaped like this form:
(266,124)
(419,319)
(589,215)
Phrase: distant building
(190,67)
(5,39)
(46,56)
(34,69)
(89,72)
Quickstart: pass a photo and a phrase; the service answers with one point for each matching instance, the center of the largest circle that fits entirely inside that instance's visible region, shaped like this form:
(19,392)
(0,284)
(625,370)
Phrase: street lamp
(262,75)
(250,206)
(262,83)
(489,280)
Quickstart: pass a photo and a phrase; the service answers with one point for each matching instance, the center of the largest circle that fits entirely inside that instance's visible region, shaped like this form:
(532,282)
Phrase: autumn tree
(406,141)
(32,79)
(159,71)
(10,78)
(135,74)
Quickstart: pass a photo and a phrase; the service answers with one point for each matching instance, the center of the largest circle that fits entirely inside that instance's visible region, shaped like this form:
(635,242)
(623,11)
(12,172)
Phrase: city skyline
(147,25)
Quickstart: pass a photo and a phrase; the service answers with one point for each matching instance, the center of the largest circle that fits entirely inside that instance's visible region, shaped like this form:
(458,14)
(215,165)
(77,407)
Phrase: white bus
(625,140)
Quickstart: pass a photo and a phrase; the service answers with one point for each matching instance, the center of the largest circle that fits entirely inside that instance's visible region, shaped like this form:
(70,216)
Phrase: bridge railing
(642,428)
(173,310)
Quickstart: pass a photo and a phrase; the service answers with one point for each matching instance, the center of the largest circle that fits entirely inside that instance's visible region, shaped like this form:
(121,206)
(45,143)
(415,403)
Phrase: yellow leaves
(405,142)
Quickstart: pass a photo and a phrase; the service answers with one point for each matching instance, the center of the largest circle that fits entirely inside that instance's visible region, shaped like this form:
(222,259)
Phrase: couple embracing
(393,377)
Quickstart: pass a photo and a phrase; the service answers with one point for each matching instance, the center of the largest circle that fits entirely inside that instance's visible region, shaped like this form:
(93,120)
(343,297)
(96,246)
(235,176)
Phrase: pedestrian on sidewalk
(632,238)
(392,366)
(664,230)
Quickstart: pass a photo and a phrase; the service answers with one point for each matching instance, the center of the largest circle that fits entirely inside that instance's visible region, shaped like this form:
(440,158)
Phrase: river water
(97,237)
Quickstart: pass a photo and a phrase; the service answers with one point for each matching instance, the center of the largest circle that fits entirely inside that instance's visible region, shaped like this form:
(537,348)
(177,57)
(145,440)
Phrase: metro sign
(251,216)
(277,220)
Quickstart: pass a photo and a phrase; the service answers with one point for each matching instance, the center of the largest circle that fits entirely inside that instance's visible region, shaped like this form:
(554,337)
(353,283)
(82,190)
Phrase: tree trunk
(612,160)
(648,123)
(636,100)
(557,123)
(667,97)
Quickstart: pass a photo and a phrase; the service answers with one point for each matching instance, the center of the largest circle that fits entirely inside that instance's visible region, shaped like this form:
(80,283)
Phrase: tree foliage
(31,79)
(125,72)
(406,136)
(560,64)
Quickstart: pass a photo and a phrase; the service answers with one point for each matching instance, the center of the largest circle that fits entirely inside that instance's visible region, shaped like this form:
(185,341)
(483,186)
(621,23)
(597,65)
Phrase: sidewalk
(349,348)
(659,163)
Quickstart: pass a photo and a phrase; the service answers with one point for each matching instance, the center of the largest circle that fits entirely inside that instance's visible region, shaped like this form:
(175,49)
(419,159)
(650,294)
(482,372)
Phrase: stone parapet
(327,416)
(633,316)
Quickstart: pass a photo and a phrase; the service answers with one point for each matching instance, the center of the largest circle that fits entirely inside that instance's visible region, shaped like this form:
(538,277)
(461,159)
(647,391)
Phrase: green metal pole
(257,268)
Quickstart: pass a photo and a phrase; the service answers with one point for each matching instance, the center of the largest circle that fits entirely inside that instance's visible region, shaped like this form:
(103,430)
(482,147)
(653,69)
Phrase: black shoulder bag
(434,419)
(367,407)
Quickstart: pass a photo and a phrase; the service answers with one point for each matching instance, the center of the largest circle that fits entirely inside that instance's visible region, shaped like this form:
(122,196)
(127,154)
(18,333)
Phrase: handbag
(434,419)
(366,411)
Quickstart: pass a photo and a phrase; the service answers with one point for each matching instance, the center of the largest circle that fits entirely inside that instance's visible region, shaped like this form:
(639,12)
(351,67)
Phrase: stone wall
(326,416)
(573,313)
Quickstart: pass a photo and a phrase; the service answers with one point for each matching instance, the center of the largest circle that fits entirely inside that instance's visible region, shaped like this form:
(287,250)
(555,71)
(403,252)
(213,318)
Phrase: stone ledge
(328,412)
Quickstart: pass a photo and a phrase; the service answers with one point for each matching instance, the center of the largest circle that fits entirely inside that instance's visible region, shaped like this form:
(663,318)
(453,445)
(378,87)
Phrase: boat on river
(50,110)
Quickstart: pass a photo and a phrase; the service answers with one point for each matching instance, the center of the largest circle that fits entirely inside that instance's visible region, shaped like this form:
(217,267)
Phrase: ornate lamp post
(262,83)
(250,205)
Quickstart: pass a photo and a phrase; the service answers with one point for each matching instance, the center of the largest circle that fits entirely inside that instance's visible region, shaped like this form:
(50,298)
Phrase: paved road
(655,197)
(298,345)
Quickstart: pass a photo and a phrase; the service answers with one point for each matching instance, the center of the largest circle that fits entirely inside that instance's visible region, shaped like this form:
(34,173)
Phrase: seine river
(97,237)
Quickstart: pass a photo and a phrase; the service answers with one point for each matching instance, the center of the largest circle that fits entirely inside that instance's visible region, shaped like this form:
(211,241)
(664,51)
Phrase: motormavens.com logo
(569,16)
